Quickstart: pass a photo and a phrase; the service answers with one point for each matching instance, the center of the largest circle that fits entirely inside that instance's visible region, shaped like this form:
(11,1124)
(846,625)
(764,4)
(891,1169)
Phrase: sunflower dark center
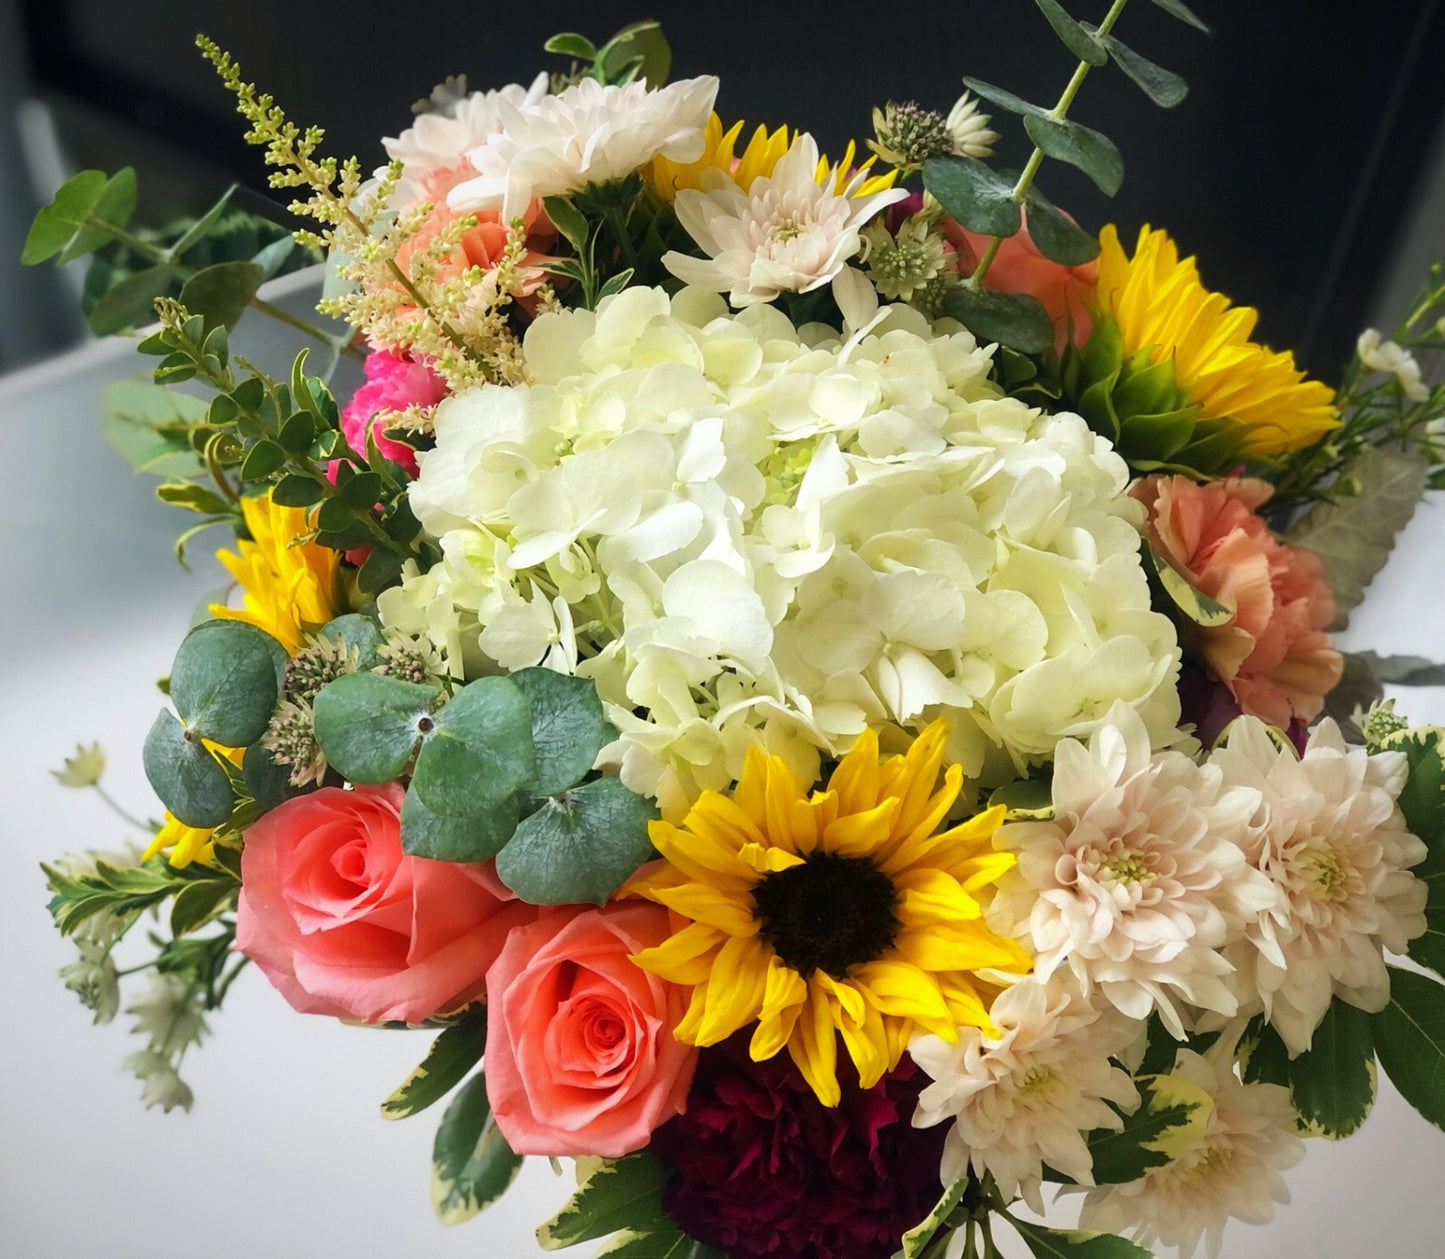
(828,914)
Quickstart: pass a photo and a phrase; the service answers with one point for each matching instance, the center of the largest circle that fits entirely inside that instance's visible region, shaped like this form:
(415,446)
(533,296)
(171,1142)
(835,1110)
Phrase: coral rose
(343,922)
(581,1058)
(1273,654)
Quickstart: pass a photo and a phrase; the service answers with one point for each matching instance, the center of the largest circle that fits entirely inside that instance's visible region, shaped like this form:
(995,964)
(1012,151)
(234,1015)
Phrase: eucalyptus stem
(1036,159)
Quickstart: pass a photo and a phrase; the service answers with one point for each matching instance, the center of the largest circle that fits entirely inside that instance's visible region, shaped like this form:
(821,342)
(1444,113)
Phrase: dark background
(1288,170)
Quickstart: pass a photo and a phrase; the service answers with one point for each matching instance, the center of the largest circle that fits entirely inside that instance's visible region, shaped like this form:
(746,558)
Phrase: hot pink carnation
(343,922)
(581,1058)
(393,383)
(1273,655)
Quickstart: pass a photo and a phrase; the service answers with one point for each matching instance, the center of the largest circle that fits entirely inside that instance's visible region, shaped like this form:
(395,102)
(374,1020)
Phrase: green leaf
(1163,87)
(618,1194)
(1076,39)
(570,44)
(1013,319)
(264,458)
(975,194)
(130,303)
(187,778)
(363,490)
(199,902)
(1429,948)
(201,228)
(568,727)
(636,51)
(1057,236)
(1354,535)
(472,1164)
(381,569)
(1403,670)
(916,1240)
(268,781)
(480,751)
(226,679)
(298,433)
(477,838)
(665,1242)
(1051,1243)
(61,227)
(295,490)
(579,846)
(1410,1041)
(1027,799)
(193,497)
(455,1052)
(1265,1059)
(1169,1120)
(1178,9)
(273,257)
(1072,142)
(368,724)
(1422,798)
(1003,98)
(1332,1086)
(615,284)
(1194,604)
(220,294)
(568,220)
(359,633)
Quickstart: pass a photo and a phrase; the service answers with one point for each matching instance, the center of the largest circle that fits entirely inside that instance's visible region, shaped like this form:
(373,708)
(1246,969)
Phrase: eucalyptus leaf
(220,294)
(1178,9)
(1056,235)
(579,846)
(455,1052)
(147,425)
(472,1164)
(1354,535)
(1052,1243)
(356,633)
(1072,142)
(480,751)
(268,781)
(1012,319)
(1163,87)
(568,726)
(65,225)
(1410,1041)
(1003,98)
(187,778)
(476,838)
(1403,670)
(1026,799)
(1332,1085)
(201,228)
(617,1194)
(131,303)
(1076,39)
(226,679)
(368,725)
(973,193)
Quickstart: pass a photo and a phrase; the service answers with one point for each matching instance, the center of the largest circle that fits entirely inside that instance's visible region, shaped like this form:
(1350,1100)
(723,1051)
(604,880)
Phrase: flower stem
(1036,159)
(123,814)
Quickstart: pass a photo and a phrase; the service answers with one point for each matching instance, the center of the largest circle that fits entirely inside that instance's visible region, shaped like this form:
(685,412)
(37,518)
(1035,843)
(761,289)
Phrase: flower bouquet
(811,674)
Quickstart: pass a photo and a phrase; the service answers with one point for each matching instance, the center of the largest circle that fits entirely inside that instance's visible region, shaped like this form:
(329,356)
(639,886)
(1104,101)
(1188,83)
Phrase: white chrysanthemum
(588,134)
(969,130)
(1140,878)
(1029,1095)
(1331,840)
(763,537)
(1389,357)
(1232,1172)
(786,233)
(437,143)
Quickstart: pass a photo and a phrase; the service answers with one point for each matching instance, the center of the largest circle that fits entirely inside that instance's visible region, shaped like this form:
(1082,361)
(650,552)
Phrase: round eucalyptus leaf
(185,775)
(579,846)
(226,680)
(360,632)
(268,781)
(428,834)
(480,751)
(568,728)
(368,724)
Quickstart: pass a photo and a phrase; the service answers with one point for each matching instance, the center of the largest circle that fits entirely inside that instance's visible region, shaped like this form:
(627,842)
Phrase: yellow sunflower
(183,843)
(288,586)
(844,911)
(764,149)
(1160,306)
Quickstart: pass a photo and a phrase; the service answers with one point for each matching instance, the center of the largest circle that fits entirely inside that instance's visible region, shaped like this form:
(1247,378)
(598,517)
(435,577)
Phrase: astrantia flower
(1140,878)
(1331,840)
(968,129)
(908,262)
(848,910)
(1232,1171)
(1378,355)
(1248,399)
(760,1169)
(787,233)
(589,134)
(1028,1095)
(288,586)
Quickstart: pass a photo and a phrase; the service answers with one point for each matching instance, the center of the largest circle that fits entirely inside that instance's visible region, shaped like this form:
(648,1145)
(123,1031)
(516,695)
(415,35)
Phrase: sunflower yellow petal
(735,990)
(814,1047)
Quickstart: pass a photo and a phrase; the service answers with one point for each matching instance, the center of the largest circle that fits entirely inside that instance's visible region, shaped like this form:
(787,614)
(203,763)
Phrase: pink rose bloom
(1273,656)
(343,922)
(393,383)
(1019,267)
(581,1058)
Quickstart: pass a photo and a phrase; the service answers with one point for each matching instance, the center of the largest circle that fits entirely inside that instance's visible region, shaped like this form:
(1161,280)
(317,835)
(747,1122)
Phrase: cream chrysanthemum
(1332,842)
(1028,1095)
(1140,877)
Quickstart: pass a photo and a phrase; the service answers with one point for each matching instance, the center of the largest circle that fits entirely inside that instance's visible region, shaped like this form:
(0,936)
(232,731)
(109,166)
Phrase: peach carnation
(1273,654)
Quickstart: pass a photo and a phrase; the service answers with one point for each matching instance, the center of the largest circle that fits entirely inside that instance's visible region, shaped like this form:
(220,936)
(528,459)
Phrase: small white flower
(84,768)
(163,1085)
(1380,355)
(94,980)
(1233,1170)
(787,233)
(169,1015)
(1331,840)
(589,134)
(1028,1096)
(969,130)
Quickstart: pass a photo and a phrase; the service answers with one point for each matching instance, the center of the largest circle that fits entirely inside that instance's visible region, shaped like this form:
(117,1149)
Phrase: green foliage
(1410,1041)
(266,780)
(1194,605)
(1027,799)
(1091,151)
(638,51)
(130,302)
(1169,1120)
(624,1193)
(220,294)
(368,725)
(973,193)
(479,751)
(1050,1243)
(1178,9)
(455,1052)
(475,838)
(1264,1059)
(581,845)
(568,728)
(1332,1086)
(191,782)
(1073,34)
(150,426)
(1057,236)
(125,891)
(1165,88)
(87,211)
(1016,320)
(918,1239)
(472,1164)
(1422,801)
(225,681)
(1403,670)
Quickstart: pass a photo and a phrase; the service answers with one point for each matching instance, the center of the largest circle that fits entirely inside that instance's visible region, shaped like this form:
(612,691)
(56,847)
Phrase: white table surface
(284,1153)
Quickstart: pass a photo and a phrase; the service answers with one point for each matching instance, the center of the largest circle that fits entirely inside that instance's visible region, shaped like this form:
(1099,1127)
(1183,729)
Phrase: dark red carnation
(761,1168)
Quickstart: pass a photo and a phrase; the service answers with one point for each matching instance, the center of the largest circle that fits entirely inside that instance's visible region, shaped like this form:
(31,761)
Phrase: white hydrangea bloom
(1029,1095)
(787,232)
(588,134)
(438,142)
(1331,840)
(765,537)
(1140,878)
(1380,355)
(1232,1172)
